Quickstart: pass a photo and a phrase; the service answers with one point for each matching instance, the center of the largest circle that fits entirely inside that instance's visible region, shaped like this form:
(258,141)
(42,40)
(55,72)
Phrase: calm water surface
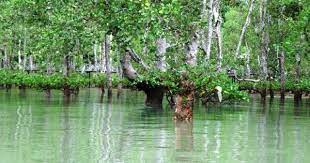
(89,129)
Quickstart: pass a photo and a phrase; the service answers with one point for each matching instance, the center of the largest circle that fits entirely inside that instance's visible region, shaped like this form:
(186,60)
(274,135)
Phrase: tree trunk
(218,33)
(154,97)
(207,47)
(247,62)
(31,65)
(20,67)
(119,85)
(282,74)
(6,58)
(102,60)
(127,67)
(107,63)
(66,72)
(264,40)
(246,24)
(162,46)
(183,110)
(297,92)
(191,51)
(95,56)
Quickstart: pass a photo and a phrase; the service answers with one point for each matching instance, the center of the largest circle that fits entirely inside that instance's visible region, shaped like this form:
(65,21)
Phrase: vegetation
(178,46)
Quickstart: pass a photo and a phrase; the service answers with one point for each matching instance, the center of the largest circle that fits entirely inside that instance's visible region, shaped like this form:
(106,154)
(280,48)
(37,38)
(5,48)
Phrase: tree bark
(66,72)
(247,62)
(162,46)
(107,63)
(102,60)
(6,61)
(31,65)
(297,91)
(264,39)
(207,47)
(95,56)
(246,24)
(191,51)
(282,74)
(127,67)
(20,67)
(218,33)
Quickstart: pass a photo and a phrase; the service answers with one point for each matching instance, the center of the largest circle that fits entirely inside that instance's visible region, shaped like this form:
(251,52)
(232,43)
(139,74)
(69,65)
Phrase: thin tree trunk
(107,44)
(207,48)
(282,74)
(103,66)
(247,62)
(297,92)
(31,63)
(203,9)
(264,39)
(119,85)
(95,55)
(20,67)
(6,58)
(218,33)
(246,24)
(66,72)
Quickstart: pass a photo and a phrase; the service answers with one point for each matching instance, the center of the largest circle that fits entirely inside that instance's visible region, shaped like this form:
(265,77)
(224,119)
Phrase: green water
(87,129)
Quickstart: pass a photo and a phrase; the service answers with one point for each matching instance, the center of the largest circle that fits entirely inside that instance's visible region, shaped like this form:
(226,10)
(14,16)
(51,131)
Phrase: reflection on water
(90,128)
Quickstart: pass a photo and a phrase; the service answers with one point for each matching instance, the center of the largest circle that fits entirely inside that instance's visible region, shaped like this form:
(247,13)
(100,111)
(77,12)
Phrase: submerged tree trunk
(282,74)
(107,63)
(184,100)
(154,96)
(246,24)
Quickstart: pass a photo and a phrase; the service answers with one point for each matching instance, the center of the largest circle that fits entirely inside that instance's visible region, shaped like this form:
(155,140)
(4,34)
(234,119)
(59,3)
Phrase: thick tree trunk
(218,33)
(246,24)
(183,110)
(154,96)
(282,74)
(207,47)
(107,63)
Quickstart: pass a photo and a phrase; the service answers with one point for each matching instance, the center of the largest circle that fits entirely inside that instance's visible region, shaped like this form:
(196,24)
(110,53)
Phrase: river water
(87,128)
